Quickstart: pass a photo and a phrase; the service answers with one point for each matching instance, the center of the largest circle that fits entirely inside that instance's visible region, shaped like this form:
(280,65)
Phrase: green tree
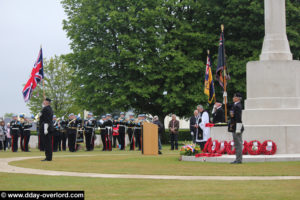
(8,115)
(150,55)
(58,87)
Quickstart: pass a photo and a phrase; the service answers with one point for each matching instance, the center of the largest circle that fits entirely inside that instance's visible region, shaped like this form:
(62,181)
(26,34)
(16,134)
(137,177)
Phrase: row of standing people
(10,134)
(75,131)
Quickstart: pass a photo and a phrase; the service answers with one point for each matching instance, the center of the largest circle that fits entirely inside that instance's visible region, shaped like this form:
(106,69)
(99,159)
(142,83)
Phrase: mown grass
(128,162)
(136,189)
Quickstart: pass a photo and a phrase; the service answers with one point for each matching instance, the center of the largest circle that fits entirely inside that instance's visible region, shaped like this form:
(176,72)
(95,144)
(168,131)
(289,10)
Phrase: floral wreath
(245,147)
(254,147)
(222,148)
(268,147)
(213,146)
(206,146)
(230,148)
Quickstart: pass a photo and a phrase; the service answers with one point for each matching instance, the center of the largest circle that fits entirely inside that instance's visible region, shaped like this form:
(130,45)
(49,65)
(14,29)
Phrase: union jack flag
(37,74)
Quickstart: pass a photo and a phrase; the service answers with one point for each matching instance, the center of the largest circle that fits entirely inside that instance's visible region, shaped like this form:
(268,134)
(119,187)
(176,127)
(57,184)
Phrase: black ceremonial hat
(47,99)
(237,94)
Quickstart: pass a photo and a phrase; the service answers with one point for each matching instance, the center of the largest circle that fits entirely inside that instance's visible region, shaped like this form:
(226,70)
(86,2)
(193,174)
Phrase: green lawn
(120,189)
(128,162)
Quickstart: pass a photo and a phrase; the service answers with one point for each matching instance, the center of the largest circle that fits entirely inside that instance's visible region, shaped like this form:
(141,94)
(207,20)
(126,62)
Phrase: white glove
(46,128)
(192,133)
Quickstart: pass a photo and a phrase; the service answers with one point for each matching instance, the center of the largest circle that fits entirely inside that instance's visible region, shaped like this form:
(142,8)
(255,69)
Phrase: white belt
(15,128)
(27,129)
(122,126)
(108,127)
(138,128)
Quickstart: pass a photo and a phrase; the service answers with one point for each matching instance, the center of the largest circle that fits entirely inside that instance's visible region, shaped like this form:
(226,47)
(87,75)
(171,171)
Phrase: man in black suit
(46,127)
(236,127)
(218,113)
(194,125)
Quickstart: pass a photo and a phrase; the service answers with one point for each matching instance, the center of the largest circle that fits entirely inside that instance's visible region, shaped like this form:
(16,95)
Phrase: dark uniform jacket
(236,108)
(46,117)
(193,122)
(219,116)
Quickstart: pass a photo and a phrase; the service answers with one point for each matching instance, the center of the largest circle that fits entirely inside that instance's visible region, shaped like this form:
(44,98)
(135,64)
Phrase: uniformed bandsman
(108,123)
(63,134)
(102,131)
(130,130)
(22,120)
(115,132)
(72,126)
(46,126)
(89,126)
(122,129)
(55,137)
(26,125)
(138,131)
(16,127)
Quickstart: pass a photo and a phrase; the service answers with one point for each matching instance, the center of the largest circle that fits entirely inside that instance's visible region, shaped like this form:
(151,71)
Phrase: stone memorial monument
(272,108)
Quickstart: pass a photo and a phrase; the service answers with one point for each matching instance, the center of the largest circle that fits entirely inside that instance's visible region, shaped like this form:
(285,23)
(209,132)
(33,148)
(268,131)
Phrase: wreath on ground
(254,147)
(245,147)
(213,146)
(230,148)
(206,146)
(222,147)
(268,147)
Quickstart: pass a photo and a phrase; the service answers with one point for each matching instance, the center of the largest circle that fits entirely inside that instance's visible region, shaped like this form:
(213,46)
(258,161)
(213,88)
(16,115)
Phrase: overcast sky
(24,26)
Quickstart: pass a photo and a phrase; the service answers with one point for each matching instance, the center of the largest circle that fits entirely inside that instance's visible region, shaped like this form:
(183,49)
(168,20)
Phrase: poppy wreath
(230,148)
(222,147)
(254,149)
(214,146)
(245,147)
(268,147)
(207,144)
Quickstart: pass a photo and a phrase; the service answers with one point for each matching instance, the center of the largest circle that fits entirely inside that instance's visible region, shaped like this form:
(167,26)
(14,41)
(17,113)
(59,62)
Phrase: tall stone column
(276,45)
(272,108)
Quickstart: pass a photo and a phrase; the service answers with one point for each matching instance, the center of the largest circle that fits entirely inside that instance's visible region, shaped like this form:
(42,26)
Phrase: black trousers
(56,137)
(2,145)
(26,139)
(22,141)
(41,142)
(72,140)
(64,138)
(48,146)
(89,140)
(131,138)
(14,139)
(115,138)
(122,139)
(138,140)
(174,141)
(103,139)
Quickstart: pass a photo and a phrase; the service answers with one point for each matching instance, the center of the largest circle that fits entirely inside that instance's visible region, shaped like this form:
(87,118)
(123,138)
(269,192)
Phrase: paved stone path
(5,167)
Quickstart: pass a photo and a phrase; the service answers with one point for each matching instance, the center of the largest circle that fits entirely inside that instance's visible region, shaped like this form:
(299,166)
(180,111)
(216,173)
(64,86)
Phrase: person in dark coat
(174,130)
(194,125)
(46,126)
(235,126)
(160,132)
(218,113)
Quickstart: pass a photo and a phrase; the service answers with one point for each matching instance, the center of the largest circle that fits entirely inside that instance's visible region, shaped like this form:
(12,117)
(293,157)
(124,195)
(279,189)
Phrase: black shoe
(236,162)
(45,160)
(172,149)
(159,152)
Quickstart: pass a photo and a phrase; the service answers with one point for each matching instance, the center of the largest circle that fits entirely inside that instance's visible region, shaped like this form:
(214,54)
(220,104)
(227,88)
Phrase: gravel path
(5,167)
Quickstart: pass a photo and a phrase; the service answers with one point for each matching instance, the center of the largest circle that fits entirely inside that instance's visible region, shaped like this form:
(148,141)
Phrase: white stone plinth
(272,108)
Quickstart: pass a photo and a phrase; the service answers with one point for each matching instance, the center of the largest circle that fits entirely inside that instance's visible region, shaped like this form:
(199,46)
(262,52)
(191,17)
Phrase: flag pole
(224,76)
(43,82)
